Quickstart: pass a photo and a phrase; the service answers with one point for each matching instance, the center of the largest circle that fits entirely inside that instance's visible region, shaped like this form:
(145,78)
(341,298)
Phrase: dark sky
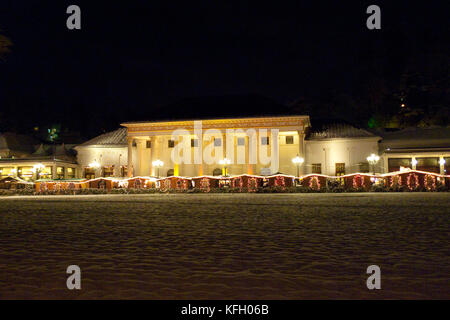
(132,57)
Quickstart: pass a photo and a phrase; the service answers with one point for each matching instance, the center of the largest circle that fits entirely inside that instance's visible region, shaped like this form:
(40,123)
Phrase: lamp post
(158,164)
(298,161)
(224,162)
(373,159)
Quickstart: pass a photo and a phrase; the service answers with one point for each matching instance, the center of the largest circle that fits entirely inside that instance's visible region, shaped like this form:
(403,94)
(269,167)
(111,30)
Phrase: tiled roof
(117,137)
(335,129)
(17,142)
(435,137)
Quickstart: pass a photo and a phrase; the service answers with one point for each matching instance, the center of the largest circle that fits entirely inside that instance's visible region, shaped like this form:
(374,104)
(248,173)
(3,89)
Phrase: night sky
(132,58)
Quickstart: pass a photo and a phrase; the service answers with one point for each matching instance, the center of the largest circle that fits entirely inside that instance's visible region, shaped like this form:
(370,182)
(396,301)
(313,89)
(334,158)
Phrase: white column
(301,151)
(275,151)
(130,157)
(140,145)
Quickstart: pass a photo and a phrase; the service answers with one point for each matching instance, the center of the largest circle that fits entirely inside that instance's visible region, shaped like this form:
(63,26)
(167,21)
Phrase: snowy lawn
(226,246)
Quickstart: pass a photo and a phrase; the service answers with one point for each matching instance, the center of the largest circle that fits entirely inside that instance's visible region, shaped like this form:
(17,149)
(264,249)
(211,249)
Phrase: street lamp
(158,164)
(298,162)
(94,165)
(373,159)
(225,162)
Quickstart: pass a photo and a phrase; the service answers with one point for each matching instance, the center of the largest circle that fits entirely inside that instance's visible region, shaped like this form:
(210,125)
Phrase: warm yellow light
(298,160)
(373,158)
(38,167)
(94,164)
(224,161)
(157,163)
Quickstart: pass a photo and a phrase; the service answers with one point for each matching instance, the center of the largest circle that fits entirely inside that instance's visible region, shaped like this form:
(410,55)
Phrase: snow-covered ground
(226,246)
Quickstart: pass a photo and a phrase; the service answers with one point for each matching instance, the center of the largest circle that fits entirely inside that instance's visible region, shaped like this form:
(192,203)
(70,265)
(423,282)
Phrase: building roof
(335,129)
(416,138)
(17,142)
(116,137)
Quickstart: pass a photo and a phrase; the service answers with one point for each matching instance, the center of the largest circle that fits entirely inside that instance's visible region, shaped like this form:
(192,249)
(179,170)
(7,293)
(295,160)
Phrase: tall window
(148,144)
(394,164)
(217,142)
(171,143)
(447,165)
(194,143)
(317,168)
(241,141)
(289,139)
(123,171)
(340,169)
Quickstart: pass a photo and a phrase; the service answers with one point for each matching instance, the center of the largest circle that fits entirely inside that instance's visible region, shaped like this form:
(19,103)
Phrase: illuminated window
(89,173)
(317,168)
(171,143)
(70,173)
(241,141)
(265,141)
(108,171)
(217,142)
(289,139)
(27,173)
(7,172)
(60,172)
(340,169)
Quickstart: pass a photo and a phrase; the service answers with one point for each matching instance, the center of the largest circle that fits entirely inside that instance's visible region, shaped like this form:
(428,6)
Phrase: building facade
(327,148)
(235,146)
(25,158)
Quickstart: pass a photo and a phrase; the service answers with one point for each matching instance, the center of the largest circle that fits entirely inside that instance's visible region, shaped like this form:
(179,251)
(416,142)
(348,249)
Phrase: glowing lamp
(157,163)
(298,161)
(373,158)
(94,164)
